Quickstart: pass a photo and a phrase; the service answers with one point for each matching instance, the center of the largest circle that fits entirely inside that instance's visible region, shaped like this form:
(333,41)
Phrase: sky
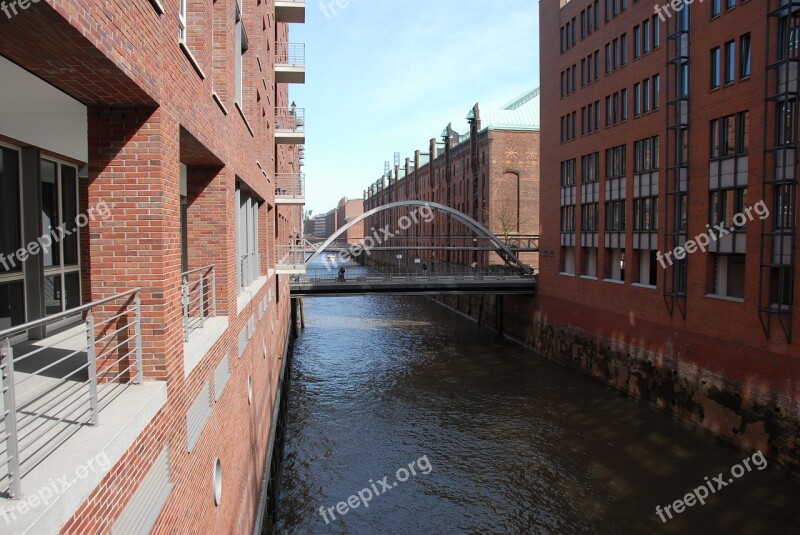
(388,75)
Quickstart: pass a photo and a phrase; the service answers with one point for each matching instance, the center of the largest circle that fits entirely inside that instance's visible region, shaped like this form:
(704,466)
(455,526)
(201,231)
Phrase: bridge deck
(412,284)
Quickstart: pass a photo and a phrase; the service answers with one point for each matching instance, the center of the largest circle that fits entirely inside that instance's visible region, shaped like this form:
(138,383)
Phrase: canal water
(428,424)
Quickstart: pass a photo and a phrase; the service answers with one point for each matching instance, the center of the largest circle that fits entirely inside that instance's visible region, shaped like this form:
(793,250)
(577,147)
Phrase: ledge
(201,341)
(192,60)
(614,281)
(565,274)
(219,102)
(646,286)
(92,451)
(246,122)
(588,278)
(249,293)
(725,298)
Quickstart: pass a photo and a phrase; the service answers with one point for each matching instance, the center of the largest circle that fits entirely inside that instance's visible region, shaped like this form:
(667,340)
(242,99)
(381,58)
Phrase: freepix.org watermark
(702,241)
(13,7)
(711,486)
(379,236)
(328,7)
(56,487)
(365,495)
(676,5)
(47,241)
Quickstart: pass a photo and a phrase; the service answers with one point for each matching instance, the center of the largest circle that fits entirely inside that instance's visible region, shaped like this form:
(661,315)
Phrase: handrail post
(137,312)
(202,287)
(10,405)
(214,291)
(91,354)
(186,308)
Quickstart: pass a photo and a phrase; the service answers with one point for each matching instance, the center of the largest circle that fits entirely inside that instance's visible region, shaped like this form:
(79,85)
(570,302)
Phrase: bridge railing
(387,275)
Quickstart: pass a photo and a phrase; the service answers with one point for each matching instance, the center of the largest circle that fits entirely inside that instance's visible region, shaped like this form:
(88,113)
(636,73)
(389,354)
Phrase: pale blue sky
(388,75)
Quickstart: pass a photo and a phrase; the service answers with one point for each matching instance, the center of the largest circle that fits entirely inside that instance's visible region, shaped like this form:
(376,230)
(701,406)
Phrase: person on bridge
(341,274)
(424,269)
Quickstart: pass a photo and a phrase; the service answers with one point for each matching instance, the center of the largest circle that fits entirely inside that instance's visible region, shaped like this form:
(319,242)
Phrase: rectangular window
(637,100)
(729,275)
(608,111)
(568,218)
(730,4)
(656,91)
(615,162)
(568,172)
(590,214)
(182,16)
(624,97)
(744,51)
(247,246)
(656,31)
(646,37)
(730,61)
(637,44)
(596,64)
(624,49)
(241,47)
(608,58)
(716,8)
(591,167)
(715,66)
(646,96)
(615,216)
(645,214)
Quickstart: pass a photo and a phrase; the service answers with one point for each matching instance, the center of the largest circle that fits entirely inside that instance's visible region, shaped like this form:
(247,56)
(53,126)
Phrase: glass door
(12,279)
(59,210)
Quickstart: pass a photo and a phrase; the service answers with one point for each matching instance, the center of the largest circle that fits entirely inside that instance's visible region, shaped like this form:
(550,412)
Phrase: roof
(522,113)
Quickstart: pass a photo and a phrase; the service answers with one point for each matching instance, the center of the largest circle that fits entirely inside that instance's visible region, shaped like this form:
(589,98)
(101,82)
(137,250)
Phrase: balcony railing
(291,119)
(53,387)
(290,186)
(290,259)
(290,54)
(199,298)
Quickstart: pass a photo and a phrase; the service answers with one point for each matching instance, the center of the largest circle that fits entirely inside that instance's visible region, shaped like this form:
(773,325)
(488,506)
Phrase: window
(241,47)
(730,61)
(646,155)
(744,54)
(646,36)
(624,98)
(590,216)
(568,173)
(646,96)
(615,216)
(729,275)
(591,167)
(656,91)
(786,131)
(715,64)
(637,99)
(597,64)
(624,49)
(645,214)
(247,246)
(729,135)
(716,8)
(725,204)
(608,58)
(608,111)
(615,162)
(656,32)
(12,286)
(182,19)
(637,45)
(784,206)
(730,4)
(568,218)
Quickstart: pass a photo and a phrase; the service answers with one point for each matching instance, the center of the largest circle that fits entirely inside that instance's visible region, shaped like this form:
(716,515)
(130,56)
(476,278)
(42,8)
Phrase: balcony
(291,259)
(290,63)
(290,11)
(290,188)
(290,126)
(56,393)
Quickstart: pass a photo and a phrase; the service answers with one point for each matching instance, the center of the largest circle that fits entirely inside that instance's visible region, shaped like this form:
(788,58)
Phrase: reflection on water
(517,443)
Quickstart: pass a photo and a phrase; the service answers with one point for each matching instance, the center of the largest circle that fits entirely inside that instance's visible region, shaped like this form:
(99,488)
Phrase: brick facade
(153,105)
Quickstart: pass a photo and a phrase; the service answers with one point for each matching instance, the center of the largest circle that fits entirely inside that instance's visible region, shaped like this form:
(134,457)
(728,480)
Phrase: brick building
(172,120)
(348,210)
(659,124)
(490,173)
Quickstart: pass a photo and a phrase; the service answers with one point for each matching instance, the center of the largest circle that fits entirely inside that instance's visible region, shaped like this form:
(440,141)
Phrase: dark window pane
(52,294)
(72,287)
(69,201)
(50,217)
(12,304)
(10,240)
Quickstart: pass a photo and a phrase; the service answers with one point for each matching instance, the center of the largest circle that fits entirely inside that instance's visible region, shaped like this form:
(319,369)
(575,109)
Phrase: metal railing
(291,119)
(290,257)
(388,275)
(290,54)
(53,387)
(292,185)
(199,289)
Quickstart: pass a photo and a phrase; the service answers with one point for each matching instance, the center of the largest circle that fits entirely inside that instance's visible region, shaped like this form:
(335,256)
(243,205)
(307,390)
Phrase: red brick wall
(720,336)
(149,110)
